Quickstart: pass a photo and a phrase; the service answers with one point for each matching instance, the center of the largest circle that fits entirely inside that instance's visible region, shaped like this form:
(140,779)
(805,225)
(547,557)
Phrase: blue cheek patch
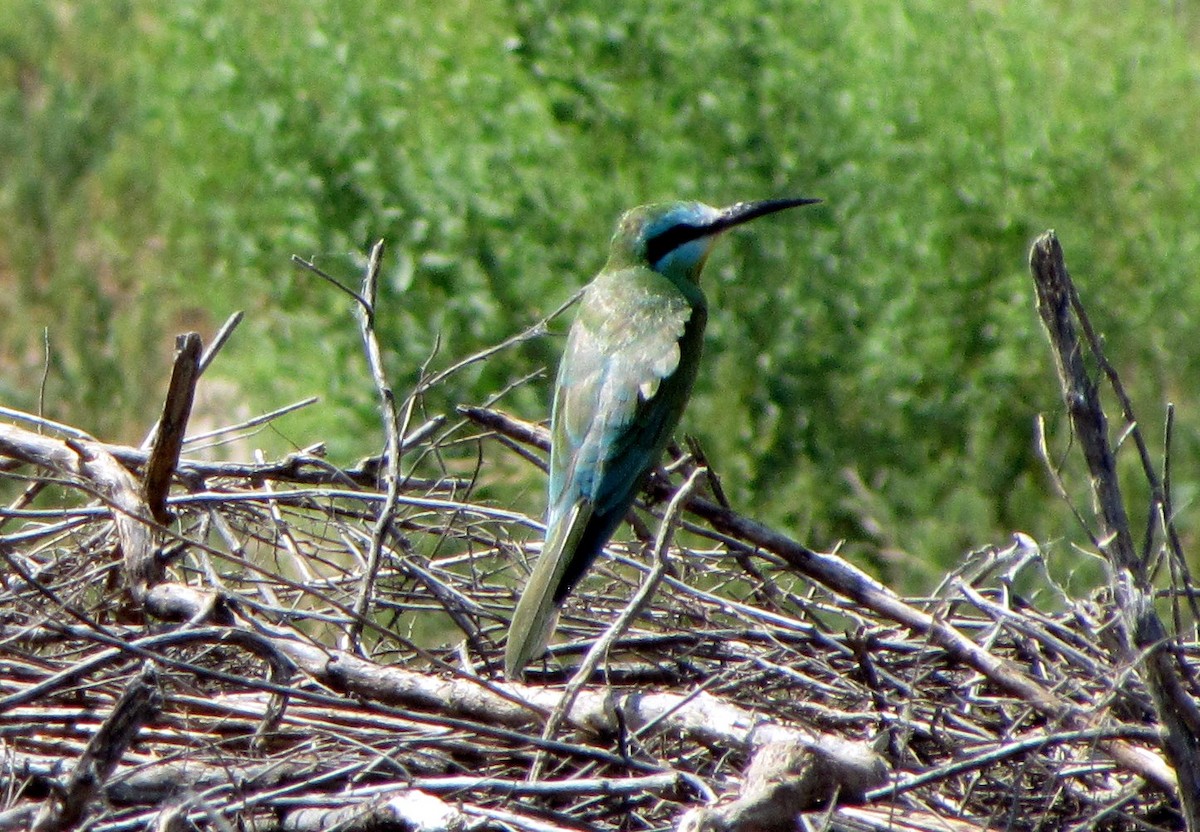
(685,260)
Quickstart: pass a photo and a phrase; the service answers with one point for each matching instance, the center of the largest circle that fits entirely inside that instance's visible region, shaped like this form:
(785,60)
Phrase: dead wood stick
(138,704)
(1082,399)
(172,424)
(88,462)
(210,354)
(301,467)
(856,585)
(218,340)
(1143,636)
(518,430)
(392,432)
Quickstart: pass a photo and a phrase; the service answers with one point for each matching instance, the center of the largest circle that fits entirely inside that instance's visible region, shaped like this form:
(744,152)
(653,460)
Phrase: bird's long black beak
(741,212)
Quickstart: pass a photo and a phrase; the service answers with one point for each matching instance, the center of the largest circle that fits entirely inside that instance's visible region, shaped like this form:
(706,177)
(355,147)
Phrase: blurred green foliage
(873,367)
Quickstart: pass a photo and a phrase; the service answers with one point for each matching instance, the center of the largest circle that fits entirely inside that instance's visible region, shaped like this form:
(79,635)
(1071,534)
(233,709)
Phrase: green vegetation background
(874,366)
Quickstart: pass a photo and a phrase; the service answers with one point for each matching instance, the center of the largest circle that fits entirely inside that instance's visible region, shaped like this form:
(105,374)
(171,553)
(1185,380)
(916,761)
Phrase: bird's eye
(662,244)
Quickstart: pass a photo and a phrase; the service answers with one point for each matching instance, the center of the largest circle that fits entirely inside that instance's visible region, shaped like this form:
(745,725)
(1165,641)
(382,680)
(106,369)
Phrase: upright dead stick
(392,431)
(1082,398)
(1143,636)
(168,433)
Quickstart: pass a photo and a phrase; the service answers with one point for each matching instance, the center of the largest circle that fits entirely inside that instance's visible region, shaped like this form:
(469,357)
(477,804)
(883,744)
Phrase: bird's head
(674,238)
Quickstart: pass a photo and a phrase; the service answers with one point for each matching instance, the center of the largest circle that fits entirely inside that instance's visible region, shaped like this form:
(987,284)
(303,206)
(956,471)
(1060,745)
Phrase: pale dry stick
(412,439)
(366,307)
(236,549)
(682,589)
(445,441)
(28,579)
(355,806)
(88,461)
(1081,397)
(422,432)
(1060,487)
(1159,488)
(537,330)
(392,432)
(186,384)
(600,648)
(299,562)
(508,426)
(408,812)
(337,284)
(195,367)
(454,603)
(1105,805)
(1008,619)
(254,421)
(306,496)
(275,497)
(218,341)
(144,648)
(502,819)
(1181,574)
(71,520)
(41,422)
(851,582)
(1004,752)
(648,728)
(297,796)
(35,488)
(1161,512)
(581,786)
(303,495)
(848,580)
(45,370)
(357,679)
(303,467)
(112,483)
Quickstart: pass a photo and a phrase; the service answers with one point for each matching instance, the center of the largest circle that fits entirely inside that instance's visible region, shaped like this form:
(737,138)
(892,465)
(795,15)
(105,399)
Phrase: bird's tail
(537,612)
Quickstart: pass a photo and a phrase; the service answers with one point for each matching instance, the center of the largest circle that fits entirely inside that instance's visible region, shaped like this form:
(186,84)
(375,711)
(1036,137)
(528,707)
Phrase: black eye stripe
(660,245)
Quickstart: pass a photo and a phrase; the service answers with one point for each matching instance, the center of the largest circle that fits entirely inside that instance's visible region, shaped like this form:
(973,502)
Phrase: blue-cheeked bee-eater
(625,376)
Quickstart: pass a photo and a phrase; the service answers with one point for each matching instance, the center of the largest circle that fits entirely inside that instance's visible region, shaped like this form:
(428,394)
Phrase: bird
(631,357)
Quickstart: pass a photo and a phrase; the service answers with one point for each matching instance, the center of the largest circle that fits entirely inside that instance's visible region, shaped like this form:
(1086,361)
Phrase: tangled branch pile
(291,645)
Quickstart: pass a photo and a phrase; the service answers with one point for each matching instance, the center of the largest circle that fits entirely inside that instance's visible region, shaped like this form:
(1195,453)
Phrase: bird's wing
(608,429)
(608,426)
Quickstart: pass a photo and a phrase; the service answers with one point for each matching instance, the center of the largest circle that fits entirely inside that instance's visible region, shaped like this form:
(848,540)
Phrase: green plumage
(627,370)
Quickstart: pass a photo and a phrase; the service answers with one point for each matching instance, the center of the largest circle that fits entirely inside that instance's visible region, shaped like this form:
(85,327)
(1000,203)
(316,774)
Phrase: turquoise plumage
(627,370)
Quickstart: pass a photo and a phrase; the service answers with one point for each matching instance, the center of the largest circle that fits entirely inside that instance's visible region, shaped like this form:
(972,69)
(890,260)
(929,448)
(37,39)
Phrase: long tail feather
(537,613)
